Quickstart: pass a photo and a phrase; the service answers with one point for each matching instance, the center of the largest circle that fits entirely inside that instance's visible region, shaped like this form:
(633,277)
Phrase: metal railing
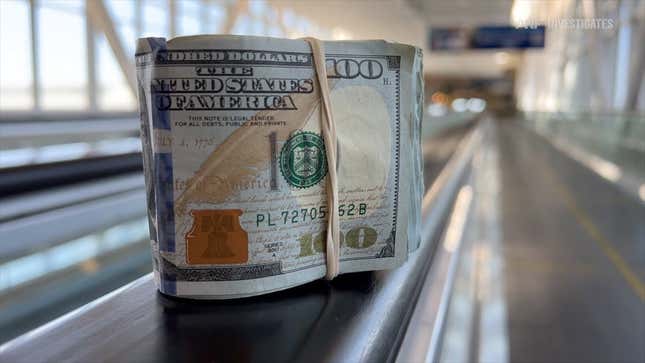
(610,144)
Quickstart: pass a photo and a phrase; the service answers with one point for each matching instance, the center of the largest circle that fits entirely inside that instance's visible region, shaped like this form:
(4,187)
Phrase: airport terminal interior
(532,230)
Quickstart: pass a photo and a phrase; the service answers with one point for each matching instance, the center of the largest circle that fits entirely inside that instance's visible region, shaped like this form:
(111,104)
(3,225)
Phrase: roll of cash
(236,165)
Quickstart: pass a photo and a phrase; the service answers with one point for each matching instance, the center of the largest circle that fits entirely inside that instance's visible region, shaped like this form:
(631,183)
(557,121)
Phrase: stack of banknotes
(236,165)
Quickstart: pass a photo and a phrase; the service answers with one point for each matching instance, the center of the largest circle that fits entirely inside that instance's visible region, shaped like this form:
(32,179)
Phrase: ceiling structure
(409,21)
(449,13)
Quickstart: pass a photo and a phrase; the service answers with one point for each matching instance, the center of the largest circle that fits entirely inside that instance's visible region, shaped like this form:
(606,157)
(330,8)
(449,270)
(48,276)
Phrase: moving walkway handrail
(42,176)
(29,204)
(22,236)
(34,129)
(44,153)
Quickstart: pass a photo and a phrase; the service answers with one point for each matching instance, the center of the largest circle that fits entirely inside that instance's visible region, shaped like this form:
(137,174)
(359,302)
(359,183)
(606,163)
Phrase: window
(62,55)
(155,18)
(63,36)
(113,90)
(124,18)
(216,18)
(188,21)
(16,81)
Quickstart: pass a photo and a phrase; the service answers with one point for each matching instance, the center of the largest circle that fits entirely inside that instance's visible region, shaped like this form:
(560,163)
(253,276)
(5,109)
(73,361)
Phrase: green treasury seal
(302,160)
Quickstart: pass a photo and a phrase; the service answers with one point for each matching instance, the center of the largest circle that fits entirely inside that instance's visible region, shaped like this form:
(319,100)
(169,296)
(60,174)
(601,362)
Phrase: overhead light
(520,12)
(339,33)
(438,97)
(476,105)
(436,110)
(459,104)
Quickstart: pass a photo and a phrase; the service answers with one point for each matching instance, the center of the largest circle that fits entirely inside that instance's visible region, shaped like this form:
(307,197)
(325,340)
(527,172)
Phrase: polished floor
(574,257)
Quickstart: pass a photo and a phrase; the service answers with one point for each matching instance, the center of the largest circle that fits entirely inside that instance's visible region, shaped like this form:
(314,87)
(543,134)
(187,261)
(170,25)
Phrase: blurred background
(556,77)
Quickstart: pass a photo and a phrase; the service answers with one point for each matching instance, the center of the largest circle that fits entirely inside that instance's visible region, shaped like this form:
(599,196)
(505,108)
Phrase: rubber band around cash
(328,127)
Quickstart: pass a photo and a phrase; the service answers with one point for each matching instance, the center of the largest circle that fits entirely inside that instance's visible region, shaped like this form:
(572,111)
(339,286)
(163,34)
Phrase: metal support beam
(100,17)
(172,18)
(205,17)
(621,76)
(138,18)
(233,11)
(599,91)
(638,68)
(33,23)
(281,24)
(90,35)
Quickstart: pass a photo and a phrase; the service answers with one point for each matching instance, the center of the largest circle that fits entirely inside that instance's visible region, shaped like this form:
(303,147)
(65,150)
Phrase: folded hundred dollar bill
(236,164)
